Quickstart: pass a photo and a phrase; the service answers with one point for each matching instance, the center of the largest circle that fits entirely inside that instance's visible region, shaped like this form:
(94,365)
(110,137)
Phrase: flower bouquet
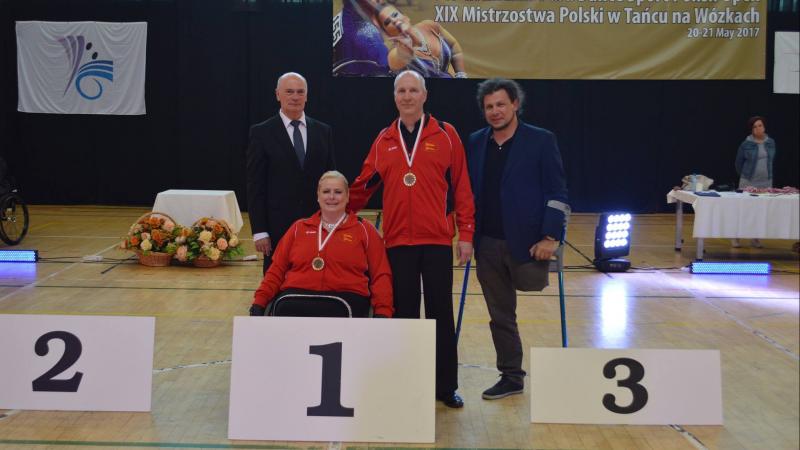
(206,243)
(152,238)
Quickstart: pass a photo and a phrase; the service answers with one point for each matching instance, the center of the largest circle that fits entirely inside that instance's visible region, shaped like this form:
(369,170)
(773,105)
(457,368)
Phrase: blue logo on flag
(94,69)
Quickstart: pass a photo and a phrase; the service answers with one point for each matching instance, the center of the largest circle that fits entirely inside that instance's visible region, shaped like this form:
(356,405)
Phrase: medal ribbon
(410,159)
(320,243)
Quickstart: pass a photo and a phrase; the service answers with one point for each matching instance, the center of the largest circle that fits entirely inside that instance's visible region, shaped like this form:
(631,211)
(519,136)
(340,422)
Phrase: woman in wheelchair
(332,254)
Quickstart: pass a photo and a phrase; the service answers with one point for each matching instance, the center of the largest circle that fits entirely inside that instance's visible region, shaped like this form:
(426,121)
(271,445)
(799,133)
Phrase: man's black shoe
(503,388)
(451,400)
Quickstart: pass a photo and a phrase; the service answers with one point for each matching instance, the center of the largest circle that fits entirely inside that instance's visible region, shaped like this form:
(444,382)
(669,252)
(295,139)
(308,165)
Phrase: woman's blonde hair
(333,174)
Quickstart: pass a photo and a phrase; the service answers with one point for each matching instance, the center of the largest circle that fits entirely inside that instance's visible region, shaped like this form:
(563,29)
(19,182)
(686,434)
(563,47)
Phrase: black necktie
(297,140)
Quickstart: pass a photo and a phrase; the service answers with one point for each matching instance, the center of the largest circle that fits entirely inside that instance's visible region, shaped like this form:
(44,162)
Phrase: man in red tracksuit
(420,161)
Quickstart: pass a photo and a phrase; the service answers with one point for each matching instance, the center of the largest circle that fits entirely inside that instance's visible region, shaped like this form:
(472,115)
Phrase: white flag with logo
(81,67)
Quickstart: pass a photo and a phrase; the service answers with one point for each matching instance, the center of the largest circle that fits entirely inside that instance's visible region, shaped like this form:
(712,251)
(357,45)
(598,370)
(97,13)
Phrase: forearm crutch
(463,298)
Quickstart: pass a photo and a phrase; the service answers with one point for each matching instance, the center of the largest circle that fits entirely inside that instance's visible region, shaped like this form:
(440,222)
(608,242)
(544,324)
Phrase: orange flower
(134,241)
(154,221)
(159,236)
(217,229)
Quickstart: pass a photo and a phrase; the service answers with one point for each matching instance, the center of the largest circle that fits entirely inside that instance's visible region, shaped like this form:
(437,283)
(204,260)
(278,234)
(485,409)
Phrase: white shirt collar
(287,122)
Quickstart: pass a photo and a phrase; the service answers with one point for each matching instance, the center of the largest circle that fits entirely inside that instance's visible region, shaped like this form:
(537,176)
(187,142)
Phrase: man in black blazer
(287,155)
(520,212)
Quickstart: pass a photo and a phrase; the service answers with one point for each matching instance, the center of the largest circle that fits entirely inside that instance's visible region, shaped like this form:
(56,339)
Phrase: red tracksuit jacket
(355,250)
(420,214)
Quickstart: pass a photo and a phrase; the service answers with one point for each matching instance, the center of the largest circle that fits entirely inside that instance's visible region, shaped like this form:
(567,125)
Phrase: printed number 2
(632,382)
(331,401)
(72,351)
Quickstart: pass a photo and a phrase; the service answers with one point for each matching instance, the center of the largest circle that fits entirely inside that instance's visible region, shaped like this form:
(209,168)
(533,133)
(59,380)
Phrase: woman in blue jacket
(754,160)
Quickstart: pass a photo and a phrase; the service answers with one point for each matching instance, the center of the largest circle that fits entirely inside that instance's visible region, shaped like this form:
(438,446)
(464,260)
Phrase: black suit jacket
(278,190)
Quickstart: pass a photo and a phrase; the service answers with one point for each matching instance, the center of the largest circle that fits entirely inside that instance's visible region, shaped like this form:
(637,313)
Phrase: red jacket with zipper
(355,261)
(423,213)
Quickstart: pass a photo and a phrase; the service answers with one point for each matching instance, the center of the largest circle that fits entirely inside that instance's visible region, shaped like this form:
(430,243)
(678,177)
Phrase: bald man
(287,155)
(426,192)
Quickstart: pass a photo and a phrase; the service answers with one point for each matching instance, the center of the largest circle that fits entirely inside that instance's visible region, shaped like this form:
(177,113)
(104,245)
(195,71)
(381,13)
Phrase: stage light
(611,241)
(729,267)
(19,256)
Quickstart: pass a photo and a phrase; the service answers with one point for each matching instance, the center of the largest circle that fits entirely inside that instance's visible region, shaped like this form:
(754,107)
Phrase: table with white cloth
(735,215)
(188,205)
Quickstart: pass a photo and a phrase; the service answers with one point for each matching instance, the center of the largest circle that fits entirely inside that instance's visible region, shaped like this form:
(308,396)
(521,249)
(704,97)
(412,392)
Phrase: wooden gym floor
(752,320)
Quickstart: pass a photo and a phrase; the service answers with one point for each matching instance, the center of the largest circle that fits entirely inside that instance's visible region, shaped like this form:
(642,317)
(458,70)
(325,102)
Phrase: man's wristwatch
(548,238)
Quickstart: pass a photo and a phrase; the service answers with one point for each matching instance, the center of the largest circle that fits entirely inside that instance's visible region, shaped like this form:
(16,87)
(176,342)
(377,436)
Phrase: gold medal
(318,263)
(409,179)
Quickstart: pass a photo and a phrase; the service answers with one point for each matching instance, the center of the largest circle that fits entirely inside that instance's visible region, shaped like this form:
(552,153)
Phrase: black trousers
(500,277)
(434,263)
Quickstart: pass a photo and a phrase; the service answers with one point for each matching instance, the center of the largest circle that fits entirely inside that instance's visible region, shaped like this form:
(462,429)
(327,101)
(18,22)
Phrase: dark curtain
(212,66)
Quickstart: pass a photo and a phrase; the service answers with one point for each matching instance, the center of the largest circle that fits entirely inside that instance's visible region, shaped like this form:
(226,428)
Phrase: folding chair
(309,305)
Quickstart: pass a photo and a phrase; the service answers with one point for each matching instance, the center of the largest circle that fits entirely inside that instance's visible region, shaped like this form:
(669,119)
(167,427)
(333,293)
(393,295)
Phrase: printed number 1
(72,351)
(331,401)
(632,383)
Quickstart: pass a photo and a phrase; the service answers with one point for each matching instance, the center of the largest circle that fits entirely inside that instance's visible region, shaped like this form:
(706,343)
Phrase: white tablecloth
(735,215)
(186,206)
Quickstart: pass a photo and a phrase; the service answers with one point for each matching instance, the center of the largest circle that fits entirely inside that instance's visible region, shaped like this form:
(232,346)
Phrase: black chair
(309,305)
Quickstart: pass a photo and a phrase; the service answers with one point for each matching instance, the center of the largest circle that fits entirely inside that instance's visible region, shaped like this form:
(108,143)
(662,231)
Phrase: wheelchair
(13,210)
(314,305)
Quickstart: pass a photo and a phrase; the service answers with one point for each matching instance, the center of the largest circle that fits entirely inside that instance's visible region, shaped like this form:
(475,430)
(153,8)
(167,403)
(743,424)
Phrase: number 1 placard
(626,386)
(325,379)
(79,363)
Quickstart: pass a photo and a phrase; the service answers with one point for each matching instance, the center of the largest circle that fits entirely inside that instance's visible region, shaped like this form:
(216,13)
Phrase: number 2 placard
(325,379)
(626,386)
(83,363)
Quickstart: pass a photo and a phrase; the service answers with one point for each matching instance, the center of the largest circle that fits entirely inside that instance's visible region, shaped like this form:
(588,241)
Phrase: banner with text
(81,67)
(552,39)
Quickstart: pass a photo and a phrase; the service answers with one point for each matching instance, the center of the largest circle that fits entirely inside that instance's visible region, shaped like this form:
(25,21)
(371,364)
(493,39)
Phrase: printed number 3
(632,382)
(72,351)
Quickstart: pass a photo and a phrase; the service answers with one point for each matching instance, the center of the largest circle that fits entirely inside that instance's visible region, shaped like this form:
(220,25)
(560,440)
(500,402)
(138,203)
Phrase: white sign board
(786,71)
(626,386)
(332,379)
(76,363)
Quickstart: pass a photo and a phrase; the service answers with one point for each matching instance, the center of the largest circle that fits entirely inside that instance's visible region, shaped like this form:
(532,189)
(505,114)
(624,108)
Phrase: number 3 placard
(626,386)
(324,379)
(83,363)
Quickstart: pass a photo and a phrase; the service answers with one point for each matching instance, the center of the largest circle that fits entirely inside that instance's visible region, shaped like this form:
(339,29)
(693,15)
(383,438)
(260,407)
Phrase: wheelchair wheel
(13,218)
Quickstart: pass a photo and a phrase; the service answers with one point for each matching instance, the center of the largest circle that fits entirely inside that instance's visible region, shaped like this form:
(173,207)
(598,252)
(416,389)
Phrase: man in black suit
(287,155)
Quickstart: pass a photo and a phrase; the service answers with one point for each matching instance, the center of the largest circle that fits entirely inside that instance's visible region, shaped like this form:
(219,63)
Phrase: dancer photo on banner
(551,39)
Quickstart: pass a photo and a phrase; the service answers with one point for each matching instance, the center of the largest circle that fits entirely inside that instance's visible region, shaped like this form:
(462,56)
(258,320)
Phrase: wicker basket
(202,260)
(205,262)
(154,259)
(151,259)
